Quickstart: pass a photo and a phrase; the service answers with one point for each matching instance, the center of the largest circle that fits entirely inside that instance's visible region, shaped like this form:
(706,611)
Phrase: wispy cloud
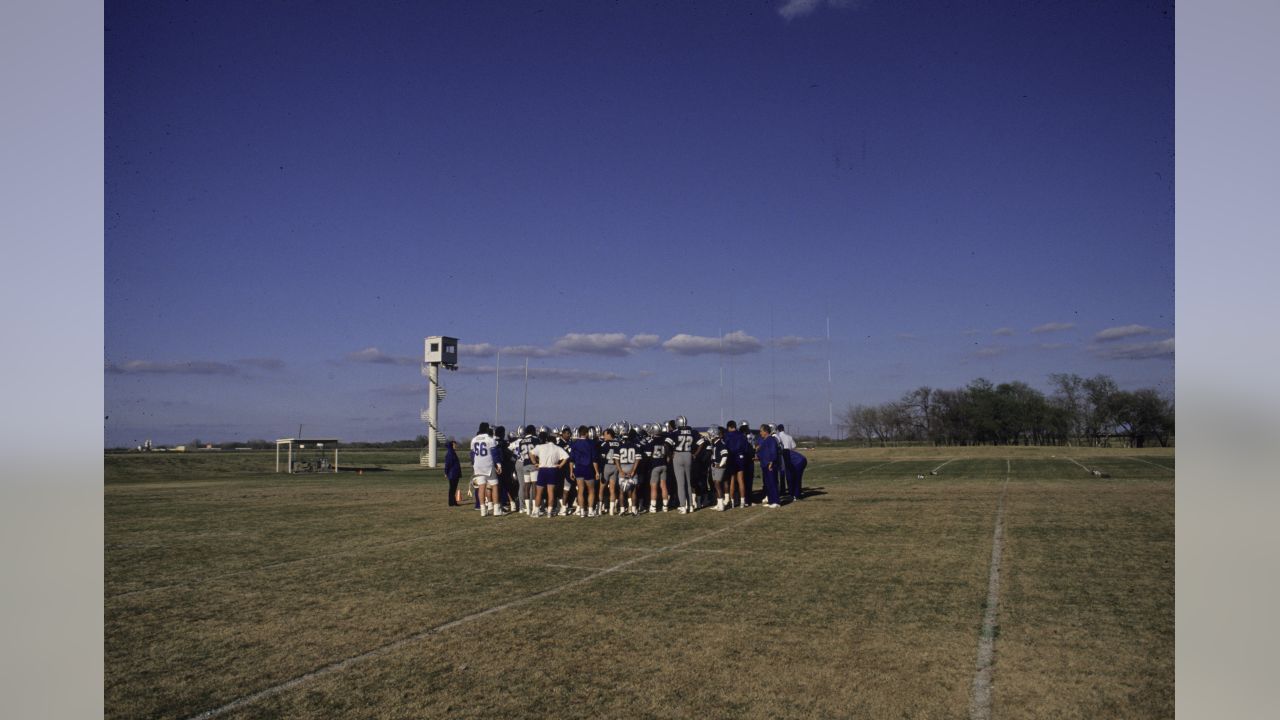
(477,349)
(791,9)
(1112,334)
(374,356)
(263,363)
(532,351)
(1054,346)
(189,367)
(988,352)
(794,341)
(1136,351)
(1052,327)
(565,375)
(1003,332)
(734,343)
(611,344)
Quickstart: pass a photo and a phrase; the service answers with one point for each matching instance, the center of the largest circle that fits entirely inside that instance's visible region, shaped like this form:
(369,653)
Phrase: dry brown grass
(864,600)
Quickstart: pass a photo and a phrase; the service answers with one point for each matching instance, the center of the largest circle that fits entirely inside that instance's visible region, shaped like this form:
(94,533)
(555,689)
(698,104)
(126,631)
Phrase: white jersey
(482,454)
(550,455)
(785,441)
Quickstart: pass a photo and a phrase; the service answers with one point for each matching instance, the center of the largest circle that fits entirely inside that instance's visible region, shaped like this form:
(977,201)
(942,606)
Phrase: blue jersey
(582,453)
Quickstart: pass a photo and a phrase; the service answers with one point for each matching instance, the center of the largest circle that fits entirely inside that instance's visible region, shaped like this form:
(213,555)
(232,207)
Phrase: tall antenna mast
(497,366)
(831,417)
(773,367)
(524,412)
(720,332)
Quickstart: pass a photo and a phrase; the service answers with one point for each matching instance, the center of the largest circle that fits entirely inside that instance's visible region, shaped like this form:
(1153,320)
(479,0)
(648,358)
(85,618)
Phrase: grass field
(237,593)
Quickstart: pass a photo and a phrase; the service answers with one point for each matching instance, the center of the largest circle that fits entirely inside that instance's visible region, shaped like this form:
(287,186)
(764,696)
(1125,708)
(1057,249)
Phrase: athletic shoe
(683,510)
(497,512)
(773,505)
(581,513)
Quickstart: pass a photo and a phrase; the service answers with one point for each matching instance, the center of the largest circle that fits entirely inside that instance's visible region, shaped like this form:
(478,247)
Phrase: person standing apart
(452,471)
(551,460)
(485,468)
(768,456)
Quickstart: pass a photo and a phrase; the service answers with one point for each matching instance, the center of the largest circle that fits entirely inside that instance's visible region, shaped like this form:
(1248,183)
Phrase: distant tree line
(1078,411)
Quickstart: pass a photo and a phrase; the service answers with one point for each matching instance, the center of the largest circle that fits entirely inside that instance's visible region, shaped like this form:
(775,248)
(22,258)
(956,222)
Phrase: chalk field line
(394,645)
(1162,467)
(942,465)
(980,700)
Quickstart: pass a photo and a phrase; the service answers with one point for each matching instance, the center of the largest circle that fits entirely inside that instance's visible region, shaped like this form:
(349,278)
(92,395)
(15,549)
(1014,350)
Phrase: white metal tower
(438,350)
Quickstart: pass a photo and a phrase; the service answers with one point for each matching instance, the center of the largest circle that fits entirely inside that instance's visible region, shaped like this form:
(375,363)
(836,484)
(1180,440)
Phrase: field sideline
(233,592)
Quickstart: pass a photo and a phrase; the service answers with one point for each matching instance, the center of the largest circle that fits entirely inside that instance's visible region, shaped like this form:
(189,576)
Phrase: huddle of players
(617,470)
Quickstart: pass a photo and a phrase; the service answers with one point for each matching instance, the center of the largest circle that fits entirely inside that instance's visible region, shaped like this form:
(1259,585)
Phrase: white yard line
(943,465)
(424,634)
(873,467)
(690,550)
(598,569)
(1081,466)
(260,568)
(1162,467)
(980,701)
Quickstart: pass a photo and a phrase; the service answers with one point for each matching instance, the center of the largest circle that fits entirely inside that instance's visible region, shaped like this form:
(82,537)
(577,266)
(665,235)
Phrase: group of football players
(627,469)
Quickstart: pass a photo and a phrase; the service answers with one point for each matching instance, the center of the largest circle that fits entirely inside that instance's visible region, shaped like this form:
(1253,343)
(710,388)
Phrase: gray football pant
(682,464)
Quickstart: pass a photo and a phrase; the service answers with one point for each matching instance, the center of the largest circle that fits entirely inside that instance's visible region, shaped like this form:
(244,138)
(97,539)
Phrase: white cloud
(1123,331)
(1052,327)
(190,367)
(477,349)
(565,375)
(1003,332)
(798,8)
(532,351)
(1136,351)
(374,356)
(611,344)
(794,341)
(734,343)
(641,342)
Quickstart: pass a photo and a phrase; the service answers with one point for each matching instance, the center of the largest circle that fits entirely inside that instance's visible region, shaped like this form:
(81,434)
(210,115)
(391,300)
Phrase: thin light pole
(497,366)
(831,417)
(524,412)
(720,332)
(773,366)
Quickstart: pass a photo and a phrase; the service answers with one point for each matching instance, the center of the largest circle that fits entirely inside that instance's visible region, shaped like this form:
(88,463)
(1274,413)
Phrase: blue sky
(297,194)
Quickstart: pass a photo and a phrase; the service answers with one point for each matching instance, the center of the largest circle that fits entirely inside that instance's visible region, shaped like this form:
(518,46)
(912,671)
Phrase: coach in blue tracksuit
(798,464)
(452,470)
(769,458)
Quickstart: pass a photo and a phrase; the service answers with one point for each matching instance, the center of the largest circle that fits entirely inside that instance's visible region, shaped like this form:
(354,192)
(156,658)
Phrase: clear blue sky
(297,194)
